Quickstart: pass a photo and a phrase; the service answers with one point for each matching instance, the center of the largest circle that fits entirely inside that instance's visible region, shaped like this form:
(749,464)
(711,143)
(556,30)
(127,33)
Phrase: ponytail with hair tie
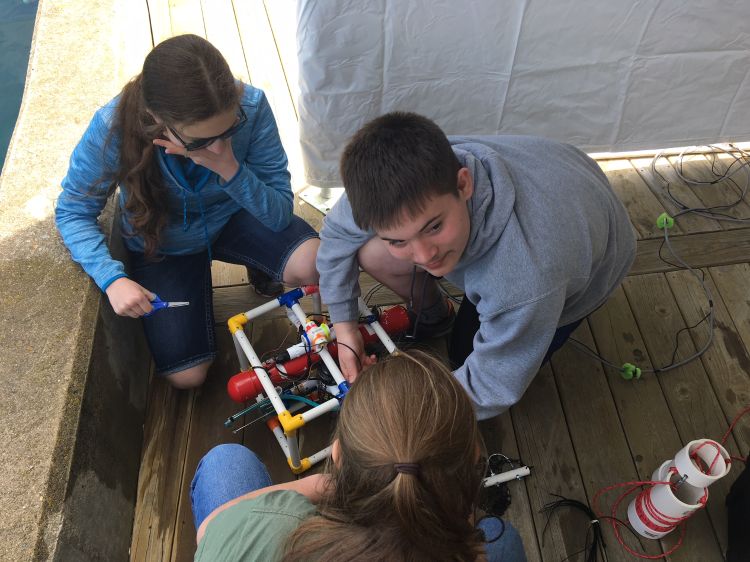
(407,468)
(371,512)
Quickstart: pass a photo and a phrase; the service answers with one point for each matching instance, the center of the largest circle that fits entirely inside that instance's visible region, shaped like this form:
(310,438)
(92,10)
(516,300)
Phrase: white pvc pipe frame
(288,441)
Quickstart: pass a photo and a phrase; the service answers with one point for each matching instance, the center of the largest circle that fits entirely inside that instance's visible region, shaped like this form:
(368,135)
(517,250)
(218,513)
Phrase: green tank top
(254,529)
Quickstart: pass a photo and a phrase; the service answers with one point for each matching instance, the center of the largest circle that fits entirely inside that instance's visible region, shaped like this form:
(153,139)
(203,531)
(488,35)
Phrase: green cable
(234,417)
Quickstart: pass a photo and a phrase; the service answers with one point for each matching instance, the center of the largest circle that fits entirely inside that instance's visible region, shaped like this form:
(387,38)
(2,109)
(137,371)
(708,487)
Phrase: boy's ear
(465,184)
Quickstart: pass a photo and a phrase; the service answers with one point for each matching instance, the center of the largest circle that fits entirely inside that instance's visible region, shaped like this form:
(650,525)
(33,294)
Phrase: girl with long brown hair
(402,482)
(202,175)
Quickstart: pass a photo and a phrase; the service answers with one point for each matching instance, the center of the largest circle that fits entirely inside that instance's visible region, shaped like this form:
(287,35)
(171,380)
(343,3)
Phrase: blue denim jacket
(196,216)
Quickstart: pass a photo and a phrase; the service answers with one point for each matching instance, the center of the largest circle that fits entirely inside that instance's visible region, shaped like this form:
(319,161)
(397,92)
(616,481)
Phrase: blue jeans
(229,471)
(180,338)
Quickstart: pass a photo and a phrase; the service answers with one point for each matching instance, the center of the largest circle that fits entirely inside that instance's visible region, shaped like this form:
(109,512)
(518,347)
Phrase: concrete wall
(73,377)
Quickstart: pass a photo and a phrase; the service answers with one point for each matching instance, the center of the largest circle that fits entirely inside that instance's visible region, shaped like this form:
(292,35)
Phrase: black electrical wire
(352,350)
(709,316)
(743,164)
(594,539)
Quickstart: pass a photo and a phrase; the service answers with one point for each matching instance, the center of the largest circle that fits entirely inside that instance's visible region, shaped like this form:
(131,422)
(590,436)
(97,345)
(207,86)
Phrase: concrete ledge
(74,377)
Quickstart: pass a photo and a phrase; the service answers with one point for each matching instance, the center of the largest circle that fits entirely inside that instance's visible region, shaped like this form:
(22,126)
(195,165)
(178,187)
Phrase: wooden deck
(580,426)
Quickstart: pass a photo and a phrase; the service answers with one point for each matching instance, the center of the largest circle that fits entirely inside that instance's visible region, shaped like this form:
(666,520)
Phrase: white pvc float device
(656,511)
(715,458)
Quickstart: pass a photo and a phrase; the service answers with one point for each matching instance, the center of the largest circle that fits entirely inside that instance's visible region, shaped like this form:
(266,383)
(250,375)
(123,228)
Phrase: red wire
(699,461)
(616,523)
(744,411)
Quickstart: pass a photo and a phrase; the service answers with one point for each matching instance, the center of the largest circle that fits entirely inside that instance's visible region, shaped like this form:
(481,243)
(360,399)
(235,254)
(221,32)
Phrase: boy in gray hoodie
(528,228)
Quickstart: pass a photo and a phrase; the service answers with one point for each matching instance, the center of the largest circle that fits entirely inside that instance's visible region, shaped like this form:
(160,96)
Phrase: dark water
(16,28)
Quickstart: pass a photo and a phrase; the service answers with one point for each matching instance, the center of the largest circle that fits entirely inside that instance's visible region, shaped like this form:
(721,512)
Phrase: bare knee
(376,260)
(398,275)
(300,268)
(192,377)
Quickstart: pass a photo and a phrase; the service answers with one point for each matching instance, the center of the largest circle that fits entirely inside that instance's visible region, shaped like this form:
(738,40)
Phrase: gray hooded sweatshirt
(549,242)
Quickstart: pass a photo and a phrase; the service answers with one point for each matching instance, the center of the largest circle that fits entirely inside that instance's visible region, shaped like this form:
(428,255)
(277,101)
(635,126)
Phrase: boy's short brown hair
(394,164)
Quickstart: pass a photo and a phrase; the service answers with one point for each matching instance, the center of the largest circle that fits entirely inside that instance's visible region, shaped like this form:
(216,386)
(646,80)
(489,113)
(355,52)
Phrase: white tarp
(605,75)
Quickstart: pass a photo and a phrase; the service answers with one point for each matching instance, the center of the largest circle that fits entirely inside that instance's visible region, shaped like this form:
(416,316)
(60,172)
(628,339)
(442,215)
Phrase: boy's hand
(128,298)
(217,156)
(352,357)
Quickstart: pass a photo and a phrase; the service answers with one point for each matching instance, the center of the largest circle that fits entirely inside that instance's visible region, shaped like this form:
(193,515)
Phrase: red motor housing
(246,385)
(395,320)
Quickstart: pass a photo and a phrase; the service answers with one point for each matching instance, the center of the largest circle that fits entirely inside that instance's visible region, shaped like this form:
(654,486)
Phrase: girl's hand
(128,298)
(217,156)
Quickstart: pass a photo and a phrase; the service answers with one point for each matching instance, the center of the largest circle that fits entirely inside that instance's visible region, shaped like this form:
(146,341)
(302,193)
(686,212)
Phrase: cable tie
(664,221)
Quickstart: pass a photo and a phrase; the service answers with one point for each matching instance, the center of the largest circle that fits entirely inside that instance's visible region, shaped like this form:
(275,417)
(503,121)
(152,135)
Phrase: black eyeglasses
(197,144)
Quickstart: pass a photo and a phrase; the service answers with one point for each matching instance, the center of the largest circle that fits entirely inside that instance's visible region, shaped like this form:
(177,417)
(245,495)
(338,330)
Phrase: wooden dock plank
(160,479)
(161,24)
(545,444)
(697,167)
(726,362)
(222,32)
(699,250)
(228,274)
(689,223)
(310,214)
(186,16)
(138,41)
(232,300)
(281,14)
(640,403)
(690,397)
(602,450)
(642,206)
(267,74)
(737,169)
(731,283)
(212,406)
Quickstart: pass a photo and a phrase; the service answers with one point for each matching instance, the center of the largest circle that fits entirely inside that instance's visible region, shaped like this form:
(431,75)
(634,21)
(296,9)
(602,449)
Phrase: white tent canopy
(601,74)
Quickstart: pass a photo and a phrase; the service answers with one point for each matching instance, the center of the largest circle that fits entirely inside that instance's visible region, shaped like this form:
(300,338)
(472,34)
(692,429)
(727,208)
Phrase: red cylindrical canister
(245,385)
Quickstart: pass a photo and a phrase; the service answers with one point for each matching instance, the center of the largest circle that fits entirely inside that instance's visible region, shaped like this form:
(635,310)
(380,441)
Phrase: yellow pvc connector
(237,322)
(304,464)
(289,422)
